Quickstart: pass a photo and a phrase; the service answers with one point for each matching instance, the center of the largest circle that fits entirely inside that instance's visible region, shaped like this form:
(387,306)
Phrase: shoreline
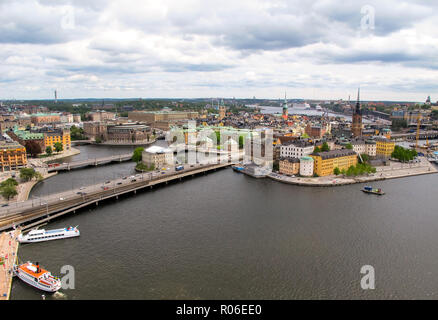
(23,193)
(334,181)
(65,154)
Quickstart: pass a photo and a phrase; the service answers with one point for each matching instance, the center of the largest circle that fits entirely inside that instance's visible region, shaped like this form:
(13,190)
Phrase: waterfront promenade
(8,256)
(393,171)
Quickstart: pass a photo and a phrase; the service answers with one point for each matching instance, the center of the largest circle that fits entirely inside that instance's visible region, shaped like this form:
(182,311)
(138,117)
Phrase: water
(229,236)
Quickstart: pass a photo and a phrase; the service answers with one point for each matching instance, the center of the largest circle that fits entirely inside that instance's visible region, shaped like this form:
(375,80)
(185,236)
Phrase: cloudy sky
(226,48)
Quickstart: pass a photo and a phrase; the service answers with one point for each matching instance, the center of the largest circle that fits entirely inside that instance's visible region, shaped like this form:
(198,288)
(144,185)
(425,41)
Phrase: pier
(8,256)
(39,210)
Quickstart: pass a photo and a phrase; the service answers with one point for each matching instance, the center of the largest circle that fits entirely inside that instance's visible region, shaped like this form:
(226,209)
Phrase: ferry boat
(301,106)
(39,235)
(368,189)
(37,277)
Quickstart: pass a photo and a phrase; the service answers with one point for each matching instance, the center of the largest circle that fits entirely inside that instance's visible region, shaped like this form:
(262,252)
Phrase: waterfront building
(296,149)
(306,166)
(45,118)
(128,133)
(367,147)
(157,156)
(12,155)
(53,136)
(44,137)
(162,119)
(356,127)
(289,166)
(326,162)
(26,137)
(384,147)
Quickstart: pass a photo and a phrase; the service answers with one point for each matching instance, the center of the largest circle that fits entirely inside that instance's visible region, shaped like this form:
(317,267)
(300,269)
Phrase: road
(40,206)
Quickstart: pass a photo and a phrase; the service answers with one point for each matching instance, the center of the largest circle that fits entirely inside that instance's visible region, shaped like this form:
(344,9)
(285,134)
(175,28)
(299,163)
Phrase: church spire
(358,109)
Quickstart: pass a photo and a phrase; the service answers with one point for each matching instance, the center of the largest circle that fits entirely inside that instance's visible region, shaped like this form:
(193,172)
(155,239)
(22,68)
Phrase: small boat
(39,235)
(368,189)
(237,168)
(37,277)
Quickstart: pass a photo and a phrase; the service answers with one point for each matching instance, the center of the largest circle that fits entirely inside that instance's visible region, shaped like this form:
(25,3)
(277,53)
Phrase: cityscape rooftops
(5,144)
(335,153)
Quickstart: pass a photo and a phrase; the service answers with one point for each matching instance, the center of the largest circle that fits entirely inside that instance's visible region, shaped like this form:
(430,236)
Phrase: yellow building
(12,156)
(384,147)
(326,162)
(62,136)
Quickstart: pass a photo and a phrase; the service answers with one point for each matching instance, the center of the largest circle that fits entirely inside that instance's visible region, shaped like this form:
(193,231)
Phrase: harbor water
(228,236)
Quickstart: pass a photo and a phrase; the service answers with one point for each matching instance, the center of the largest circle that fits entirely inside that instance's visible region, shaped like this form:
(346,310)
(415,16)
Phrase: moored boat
(237,168)
(38,235)
(37,277)
(368,189)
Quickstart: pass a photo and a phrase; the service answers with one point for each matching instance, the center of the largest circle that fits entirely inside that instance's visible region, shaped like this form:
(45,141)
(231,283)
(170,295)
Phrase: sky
(321,49)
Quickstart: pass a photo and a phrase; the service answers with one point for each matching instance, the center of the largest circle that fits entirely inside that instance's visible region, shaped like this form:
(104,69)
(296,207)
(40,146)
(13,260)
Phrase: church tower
(284,116)
(356,127)
(222,110)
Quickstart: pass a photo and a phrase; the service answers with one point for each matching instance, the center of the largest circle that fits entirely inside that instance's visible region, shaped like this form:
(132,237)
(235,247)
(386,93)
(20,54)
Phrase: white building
(157,156)
(296,149)
(364,147)
(306,166)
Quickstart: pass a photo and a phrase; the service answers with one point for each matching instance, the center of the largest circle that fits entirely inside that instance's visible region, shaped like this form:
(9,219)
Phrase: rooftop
(335,153)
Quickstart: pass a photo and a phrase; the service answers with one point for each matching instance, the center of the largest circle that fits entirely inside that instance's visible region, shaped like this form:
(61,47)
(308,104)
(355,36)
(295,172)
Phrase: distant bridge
(413,135)
(89,162)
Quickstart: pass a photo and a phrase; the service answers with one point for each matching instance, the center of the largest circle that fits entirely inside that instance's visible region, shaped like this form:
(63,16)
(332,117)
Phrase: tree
(218,138)
(33,148)
(58,146)
(49,150)
(98,140)
(403,154)
(137,154)
(8,191)
(316,150)
(349,146)
(241,142)
(28,174)
(336,171)
(325,147)
(9,182)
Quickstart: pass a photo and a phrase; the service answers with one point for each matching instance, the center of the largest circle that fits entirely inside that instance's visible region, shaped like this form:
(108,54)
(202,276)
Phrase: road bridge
(36,211)
(89,162)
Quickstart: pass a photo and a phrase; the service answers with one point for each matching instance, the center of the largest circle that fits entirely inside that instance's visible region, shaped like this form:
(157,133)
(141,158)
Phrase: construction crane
(418,129)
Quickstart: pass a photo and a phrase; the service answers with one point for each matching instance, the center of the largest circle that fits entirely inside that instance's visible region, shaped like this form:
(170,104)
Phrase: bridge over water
(36,211)
(89,162)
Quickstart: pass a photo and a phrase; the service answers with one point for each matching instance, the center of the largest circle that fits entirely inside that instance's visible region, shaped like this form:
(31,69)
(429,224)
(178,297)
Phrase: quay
(35,211)
(394,171)
(8,256)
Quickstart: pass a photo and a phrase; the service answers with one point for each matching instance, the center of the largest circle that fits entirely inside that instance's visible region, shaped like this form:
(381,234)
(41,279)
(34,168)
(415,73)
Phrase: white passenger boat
(37,277)
(39,235)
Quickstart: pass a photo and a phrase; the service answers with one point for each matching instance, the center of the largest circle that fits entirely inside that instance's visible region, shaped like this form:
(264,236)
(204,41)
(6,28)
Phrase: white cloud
(194,48)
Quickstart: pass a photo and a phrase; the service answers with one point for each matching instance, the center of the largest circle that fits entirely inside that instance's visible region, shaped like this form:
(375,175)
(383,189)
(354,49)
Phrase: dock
(8,256)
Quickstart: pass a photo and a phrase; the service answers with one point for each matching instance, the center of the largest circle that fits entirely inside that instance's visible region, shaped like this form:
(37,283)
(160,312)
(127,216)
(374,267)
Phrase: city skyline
(313,50)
